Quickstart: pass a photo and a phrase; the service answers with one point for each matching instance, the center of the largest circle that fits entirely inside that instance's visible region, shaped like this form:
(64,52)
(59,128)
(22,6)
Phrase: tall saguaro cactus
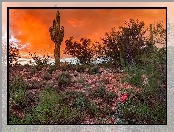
(57,35)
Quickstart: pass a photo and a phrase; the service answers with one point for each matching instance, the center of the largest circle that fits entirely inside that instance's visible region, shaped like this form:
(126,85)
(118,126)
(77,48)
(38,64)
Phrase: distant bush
(81,68)
(64,79)
(40,61)
(51,68)
(93,70)
(64,66)
(47,76)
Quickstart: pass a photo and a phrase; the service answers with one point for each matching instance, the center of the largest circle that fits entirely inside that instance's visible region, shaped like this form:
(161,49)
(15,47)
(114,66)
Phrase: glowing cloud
(76,23)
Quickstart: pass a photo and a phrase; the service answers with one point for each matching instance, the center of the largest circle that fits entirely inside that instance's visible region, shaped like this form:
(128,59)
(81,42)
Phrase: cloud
(76,23)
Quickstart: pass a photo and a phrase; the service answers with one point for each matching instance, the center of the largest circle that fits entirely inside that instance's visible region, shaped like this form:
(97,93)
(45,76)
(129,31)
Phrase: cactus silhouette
(57,35)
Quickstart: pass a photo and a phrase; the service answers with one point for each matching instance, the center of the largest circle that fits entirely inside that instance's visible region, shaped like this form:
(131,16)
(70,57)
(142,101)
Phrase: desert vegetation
(127,87)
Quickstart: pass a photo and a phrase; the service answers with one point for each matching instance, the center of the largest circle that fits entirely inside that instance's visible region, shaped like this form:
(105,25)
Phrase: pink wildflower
(123,97)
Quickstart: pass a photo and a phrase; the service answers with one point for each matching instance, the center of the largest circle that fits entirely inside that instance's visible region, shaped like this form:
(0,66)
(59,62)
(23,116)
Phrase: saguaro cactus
(57,35)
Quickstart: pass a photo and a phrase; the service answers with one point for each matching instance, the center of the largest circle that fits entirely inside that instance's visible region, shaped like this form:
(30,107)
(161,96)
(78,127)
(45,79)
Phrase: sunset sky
(31,26)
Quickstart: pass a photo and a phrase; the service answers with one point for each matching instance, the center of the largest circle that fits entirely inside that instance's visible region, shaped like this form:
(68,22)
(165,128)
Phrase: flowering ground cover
(81,94)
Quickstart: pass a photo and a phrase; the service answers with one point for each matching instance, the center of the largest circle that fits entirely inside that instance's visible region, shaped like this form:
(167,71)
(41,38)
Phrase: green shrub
(14,119)
(17,92)
(109,96)
(40,62)
(47,76)
(73,97)
(92,109)
(137,111)
(134,77)
(105,95)
(47,107)
(93,70)
(64,79)
(33,70)
(17,99)
(52,110)
(100,91)
(81,68)
(107,110)
(80,102)
(80,80)
(51,68)
(64,66)
(18,83)
(68,115)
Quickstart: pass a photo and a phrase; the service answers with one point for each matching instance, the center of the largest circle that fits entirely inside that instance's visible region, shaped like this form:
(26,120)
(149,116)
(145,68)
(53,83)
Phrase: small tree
(82,50)
(111,48)
(13,55)
(131,39)
(159,33)
(124,46)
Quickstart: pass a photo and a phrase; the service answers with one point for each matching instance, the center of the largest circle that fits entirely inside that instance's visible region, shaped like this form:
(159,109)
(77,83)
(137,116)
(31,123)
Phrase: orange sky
(32,25)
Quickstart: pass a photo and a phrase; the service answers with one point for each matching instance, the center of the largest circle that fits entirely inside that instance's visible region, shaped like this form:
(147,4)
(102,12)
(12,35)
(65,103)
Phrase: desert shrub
(80,80)
(33,70)
(51,68)
(105,95)
(64,79)
(67,115)
(64,66)
(136,111)
(25,66)
(109,96)
(51,110)
(17,92)
(135,79)
(80,68)
(92,109)
(69,97)
(93,70)
(107,110)
(40,62)
(18,83)
(100,91)
(18,99)
(82,103)
(46,109)
(47,76)
(14,119)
